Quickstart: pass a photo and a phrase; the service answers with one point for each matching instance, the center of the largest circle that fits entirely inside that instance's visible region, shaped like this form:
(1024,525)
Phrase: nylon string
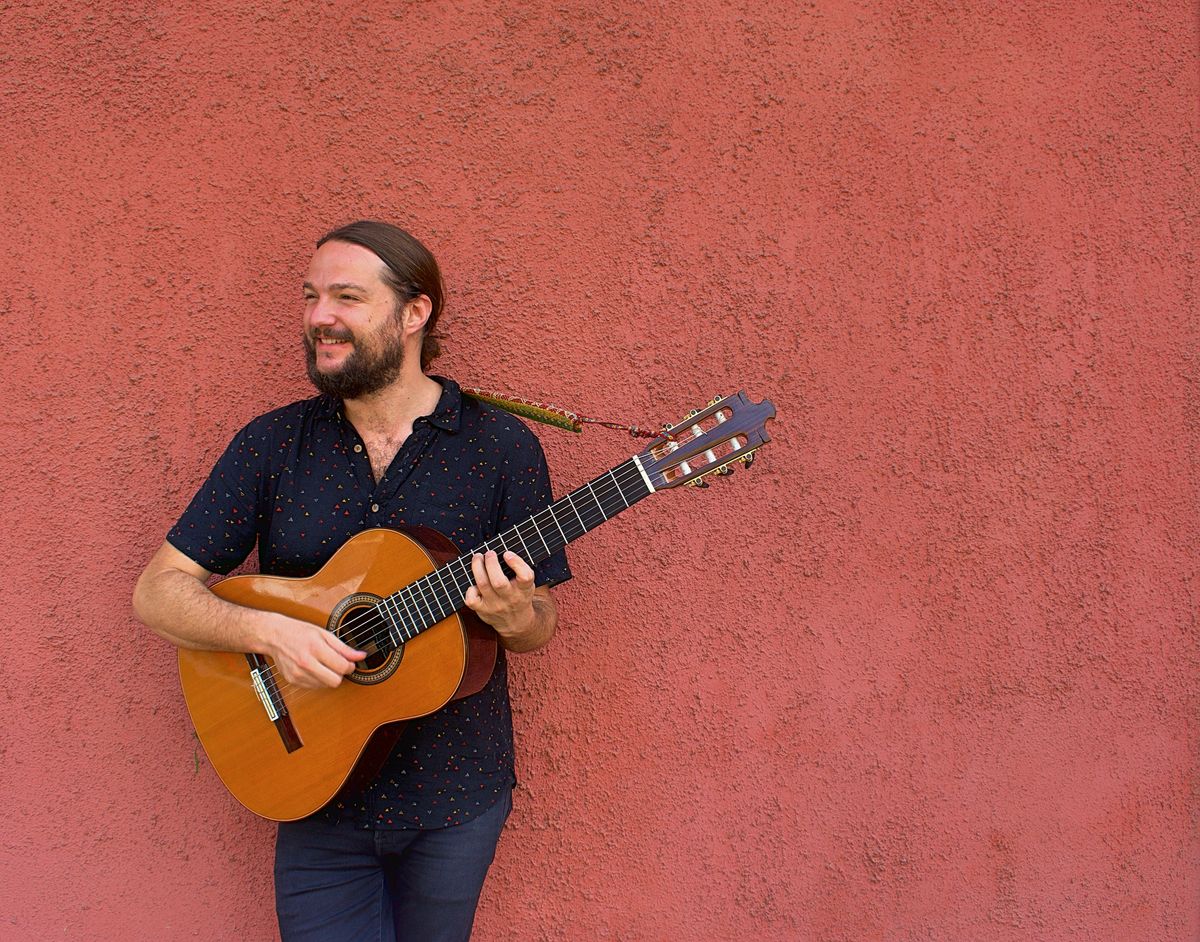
(366,625)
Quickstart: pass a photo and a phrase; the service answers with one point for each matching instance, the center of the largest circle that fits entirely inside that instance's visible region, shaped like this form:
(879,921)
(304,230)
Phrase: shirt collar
(447,414)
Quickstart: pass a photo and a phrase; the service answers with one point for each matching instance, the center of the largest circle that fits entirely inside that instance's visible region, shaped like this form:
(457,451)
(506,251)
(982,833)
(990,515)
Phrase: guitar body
(289,768)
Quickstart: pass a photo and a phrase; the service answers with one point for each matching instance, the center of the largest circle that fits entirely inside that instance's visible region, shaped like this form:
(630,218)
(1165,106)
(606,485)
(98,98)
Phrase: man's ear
(416,314)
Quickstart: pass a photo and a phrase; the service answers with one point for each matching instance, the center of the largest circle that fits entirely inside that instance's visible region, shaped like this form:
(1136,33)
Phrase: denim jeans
(334,882)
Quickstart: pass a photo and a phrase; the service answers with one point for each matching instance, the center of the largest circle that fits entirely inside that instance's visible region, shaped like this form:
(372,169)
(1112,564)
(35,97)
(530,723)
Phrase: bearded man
(383,444)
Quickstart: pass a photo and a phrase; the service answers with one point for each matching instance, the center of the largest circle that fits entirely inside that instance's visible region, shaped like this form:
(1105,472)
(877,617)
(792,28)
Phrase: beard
(374,364)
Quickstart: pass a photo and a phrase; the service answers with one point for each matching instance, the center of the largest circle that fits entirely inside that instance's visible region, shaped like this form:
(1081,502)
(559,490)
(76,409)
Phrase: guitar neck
(434,597)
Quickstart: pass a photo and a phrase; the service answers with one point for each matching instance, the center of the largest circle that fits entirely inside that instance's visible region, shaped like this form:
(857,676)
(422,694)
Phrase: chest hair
(381,450)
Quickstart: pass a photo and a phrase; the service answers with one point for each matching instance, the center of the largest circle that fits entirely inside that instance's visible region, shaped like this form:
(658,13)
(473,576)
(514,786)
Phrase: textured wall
(928,671)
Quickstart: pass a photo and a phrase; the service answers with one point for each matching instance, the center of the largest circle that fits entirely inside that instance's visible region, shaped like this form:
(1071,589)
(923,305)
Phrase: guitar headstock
(708,441)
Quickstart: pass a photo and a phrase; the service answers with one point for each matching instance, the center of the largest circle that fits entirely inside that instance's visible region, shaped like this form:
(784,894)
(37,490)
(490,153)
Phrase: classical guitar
(283,752)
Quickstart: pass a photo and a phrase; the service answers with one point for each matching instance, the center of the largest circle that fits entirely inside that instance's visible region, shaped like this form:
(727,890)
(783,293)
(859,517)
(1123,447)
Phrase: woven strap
(550,415)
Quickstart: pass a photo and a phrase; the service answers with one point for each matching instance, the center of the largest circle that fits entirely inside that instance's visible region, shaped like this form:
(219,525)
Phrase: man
(383,444)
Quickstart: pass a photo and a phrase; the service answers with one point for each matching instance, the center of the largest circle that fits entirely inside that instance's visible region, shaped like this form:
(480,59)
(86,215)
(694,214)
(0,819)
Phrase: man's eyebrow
(339,286)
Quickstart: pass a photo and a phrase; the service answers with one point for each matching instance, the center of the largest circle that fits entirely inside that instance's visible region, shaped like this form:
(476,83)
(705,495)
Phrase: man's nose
(321,313)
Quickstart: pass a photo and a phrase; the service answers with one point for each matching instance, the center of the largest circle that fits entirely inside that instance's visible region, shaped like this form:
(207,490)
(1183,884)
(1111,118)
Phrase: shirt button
(358,447)
(374,508)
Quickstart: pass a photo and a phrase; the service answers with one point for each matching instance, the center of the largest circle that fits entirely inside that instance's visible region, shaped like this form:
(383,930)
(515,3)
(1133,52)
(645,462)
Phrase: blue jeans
(335,882)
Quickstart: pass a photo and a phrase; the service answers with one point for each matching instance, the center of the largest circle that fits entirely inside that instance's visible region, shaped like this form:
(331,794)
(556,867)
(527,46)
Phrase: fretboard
(424,603)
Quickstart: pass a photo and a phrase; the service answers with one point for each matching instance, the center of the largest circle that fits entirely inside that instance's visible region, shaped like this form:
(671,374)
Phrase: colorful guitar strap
(550,415)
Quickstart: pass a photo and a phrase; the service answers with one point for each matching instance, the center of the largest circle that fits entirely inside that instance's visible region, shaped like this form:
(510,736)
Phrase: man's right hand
(306,656)
(172,599)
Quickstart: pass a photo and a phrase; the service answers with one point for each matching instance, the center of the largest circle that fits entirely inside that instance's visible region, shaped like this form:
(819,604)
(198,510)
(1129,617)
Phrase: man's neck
(390,413)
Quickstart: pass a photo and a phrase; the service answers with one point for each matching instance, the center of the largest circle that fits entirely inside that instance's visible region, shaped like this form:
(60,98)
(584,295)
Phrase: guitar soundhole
(356,622)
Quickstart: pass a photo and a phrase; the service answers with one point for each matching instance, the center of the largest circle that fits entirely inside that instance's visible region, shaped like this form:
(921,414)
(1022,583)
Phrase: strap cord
(552,415)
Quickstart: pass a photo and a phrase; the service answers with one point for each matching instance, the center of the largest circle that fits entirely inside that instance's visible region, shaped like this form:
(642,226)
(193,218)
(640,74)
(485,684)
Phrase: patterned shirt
(297,481)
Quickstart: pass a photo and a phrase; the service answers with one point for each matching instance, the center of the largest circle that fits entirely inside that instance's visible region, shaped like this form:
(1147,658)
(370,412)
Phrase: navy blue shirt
(297,481)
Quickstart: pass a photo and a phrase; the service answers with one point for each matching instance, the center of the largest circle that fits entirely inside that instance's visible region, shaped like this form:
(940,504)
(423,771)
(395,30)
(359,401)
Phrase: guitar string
(463,560)
(631,474)
(374,618)
(377,620)
(370,621)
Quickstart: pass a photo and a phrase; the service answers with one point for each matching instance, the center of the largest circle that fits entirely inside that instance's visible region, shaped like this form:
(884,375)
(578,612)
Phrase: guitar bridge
(268,702)
(263,680)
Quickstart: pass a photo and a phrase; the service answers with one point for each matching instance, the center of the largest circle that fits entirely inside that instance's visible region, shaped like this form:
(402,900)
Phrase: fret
(583,527)
(605,489)
(527,556)
(536,529)
(429,595)
(599,506)
(446,603)
(410,615)
(554,517)
(394,631)
(450,604)
(417,591)
(429,591)
(546,531)
(468,574)
(465,566)
(517,546)
(618,485)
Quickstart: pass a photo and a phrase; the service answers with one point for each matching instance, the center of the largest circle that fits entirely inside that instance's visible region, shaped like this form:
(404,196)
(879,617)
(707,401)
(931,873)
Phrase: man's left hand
(505,604)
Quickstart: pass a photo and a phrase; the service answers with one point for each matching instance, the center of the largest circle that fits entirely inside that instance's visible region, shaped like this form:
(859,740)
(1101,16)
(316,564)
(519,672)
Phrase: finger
(316,675)
(343,649)
(482,585)
(473,598)
(333,662)
(495,574)
(519,567)
(327,677)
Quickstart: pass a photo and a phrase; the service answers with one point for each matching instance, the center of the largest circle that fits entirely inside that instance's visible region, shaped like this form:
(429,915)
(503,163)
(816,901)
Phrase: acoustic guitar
(283,751)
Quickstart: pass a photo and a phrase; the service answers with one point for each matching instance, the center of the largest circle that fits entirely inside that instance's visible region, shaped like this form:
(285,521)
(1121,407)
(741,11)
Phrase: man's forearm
(180,608)
(539,631)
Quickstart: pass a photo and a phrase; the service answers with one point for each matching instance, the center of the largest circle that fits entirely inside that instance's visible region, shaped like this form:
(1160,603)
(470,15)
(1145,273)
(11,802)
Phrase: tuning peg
(725,471)
(699,482)
(714,400)
(748,460)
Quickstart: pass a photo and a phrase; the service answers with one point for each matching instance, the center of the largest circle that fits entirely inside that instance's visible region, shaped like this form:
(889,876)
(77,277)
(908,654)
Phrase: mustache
(328,334)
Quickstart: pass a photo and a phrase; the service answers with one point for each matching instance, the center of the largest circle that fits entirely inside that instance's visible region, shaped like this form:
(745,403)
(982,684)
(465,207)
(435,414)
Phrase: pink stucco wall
(929,671)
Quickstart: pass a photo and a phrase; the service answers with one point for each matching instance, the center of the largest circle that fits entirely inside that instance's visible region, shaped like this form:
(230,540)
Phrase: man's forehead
(345,265)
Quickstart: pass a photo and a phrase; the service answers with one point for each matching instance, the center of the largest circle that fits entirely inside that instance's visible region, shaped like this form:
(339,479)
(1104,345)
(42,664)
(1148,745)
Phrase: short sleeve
(525,491)
(219,528)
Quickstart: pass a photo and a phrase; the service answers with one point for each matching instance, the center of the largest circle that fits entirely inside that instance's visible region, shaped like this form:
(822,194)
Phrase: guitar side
(334,725)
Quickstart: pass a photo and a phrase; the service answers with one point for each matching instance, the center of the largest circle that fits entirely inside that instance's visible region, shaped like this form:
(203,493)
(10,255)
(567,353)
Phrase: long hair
(410,270)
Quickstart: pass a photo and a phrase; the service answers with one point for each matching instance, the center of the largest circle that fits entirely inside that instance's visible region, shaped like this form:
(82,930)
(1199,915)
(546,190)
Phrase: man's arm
(171,599)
